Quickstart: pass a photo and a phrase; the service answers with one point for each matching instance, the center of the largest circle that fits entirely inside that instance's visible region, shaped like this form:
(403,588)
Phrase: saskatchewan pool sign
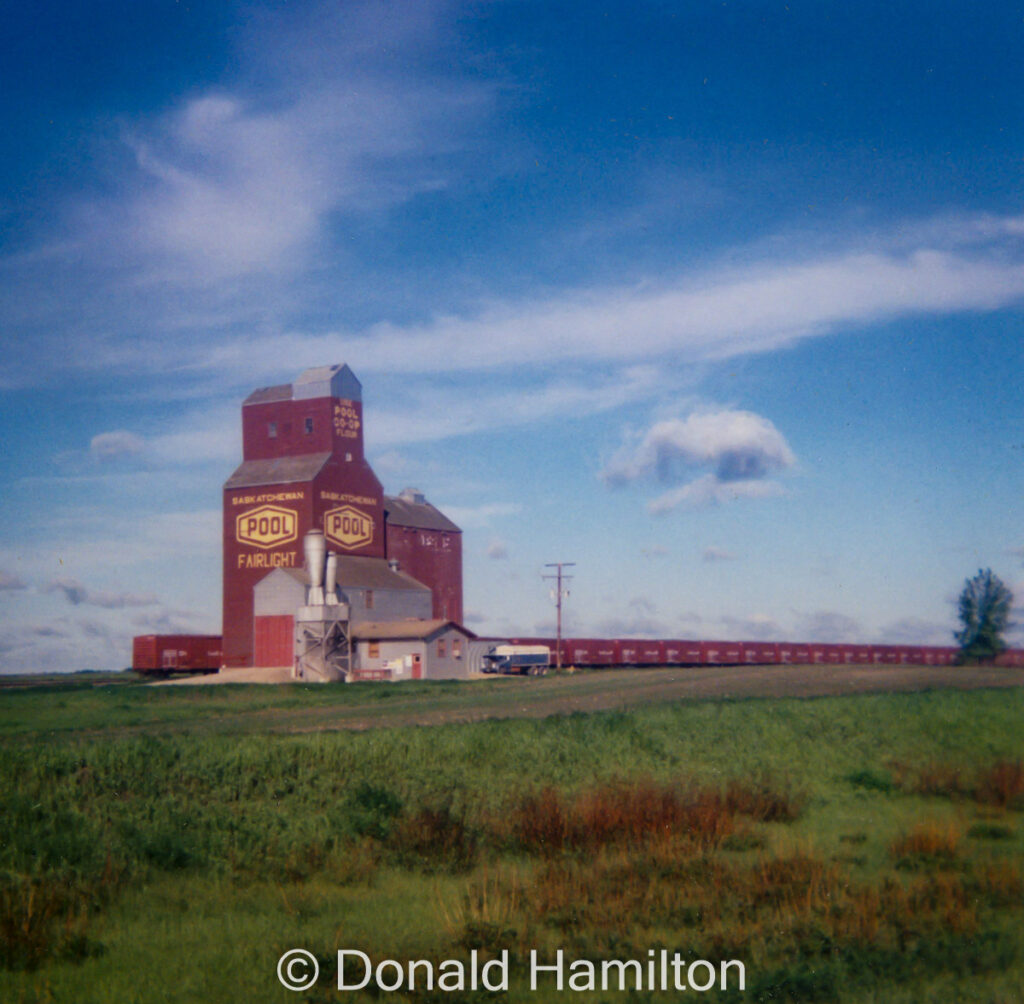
(348,527)
(267,526)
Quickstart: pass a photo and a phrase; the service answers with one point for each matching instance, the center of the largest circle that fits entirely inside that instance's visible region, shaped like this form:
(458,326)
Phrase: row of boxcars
(637,652)
(166,654)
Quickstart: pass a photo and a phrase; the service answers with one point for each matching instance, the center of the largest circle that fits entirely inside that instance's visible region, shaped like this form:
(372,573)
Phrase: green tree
(984,611)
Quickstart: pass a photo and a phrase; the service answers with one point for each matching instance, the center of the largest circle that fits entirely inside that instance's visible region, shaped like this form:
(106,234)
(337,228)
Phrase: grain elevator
(303,468)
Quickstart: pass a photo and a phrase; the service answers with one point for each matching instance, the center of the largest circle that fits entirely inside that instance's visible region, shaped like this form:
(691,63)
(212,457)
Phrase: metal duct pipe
(331,578)
(315,547)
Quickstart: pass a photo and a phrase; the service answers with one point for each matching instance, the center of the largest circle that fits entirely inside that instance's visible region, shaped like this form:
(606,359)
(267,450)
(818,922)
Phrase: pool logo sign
(267,526)
(348,527)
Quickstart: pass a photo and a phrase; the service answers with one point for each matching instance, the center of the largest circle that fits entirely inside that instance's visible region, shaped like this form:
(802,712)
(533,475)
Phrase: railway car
(628,652)
(164,654)
(721,653)
(651,653)
(682,653)
(588,652)
(760,653)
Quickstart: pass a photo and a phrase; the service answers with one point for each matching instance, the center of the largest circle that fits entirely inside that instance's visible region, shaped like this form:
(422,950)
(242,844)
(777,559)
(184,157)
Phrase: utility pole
(558,578)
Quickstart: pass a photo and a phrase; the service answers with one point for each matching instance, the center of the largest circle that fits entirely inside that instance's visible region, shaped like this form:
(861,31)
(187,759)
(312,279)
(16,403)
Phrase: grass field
(168,844)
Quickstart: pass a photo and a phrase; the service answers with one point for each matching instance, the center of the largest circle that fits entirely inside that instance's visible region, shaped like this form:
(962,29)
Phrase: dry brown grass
(640,811)
(1001,784)
(930,841)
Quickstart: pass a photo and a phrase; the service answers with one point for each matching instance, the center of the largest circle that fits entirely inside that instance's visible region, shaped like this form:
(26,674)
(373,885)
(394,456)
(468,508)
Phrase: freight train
(162,655)
(626,652)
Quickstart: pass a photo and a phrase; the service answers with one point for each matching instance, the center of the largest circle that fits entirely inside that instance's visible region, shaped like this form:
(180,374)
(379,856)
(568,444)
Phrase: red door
(274,640)
(417,668)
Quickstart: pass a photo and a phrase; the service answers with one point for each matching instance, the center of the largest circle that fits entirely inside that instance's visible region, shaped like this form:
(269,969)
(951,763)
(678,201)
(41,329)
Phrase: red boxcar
(161,654)
(628,652)
(760,653)
(682,653)
(651,653)
(721,653)
(576,652)
(711,653)
(588,652)
(1011,657)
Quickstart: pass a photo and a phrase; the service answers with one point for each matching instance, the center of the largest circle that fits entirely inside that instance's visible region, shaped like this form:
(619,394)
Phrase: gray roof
(320,381)
(422,515)
(373,573)
(328,381)
(361,573)
(281,392)
(277,471)
(405,629)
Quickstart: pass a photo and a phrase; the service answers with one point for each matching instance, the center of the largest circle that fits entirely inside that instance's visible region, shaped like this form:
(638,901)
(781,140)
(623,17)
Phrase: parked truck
(522,660)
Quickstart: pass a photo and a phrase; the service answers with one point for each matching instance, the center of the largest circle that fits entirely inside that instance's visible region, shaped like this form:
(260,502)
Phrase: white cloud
(211,433)
(114,445)
(171,621)
(718,314)
(440,412)
(741,448)
(481,515)
(709,491)
(755,627)
(9,582)
(916,631)
(227,187)
(497,550)
(828,626)
(637,625)
(738,445)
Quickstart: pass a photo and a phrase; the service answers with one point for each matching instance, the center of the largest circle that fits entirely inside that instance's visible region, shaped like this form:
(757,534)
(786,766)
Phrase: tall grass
(818,840)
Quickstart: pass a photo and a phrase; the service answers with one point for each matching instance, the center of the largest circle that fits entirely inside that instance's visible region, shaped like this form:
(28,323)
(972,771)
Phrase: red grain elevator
(303,467)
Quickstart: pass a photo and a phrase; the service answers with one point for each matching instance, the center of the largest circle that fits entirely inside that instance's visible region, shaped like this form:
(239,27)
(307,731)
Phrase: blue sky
(721,301)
